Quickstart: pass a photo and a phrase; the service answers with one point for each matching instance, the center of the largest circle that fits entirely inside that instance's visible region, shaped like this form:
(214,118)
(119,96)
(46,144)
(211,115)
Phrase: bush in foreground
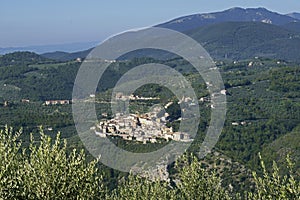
(273,186)
(46,171)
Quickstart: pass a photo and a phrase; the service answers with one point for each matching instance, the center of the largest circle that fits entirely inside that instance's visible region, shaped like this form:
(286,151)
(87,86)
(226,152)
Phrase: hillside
(258,89)
(31,76)
(239,33)
(64,56)
(294,15)
(293,26)
(235,34)
(239,41)
(281,147)
(22,58)
(242,40)
(256,94)
(232,15)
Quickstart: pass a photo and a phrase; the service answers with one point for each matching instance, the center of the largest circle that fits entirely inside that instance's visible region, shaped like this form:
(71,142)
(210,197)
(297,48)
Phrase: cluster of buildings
(148,127)
(143,128)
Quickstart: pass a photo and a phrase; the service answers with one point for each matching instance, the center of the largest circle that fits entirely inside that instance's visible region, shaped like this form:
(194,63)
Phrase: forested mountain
(293,26)
(234,34)
(228,40)
(294,15)
(232,15)
(242,40)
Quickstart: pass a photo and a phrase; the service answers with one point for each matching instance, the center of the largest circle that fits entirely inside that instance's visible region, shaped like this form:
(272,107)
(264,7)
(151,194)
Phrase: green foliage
(33,114)
(288,144)
(48,83)
(273,186)
(135,187)
(287,80)
(190,182)
(46,171)
(13,72)
(244,40)
(267,110)
(196,183)
(22,58)
(10,165)
(264,97)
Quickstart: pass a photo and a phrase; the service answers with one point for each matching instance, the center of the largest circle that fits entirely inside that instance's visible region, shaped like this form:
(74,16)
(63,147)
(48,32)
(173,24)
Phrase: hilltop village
(147,127)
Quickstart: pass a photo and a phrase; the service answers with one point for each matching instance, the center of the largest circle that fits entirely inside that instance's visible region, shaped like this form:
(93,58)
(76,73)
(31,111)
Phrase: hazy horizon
(35,23)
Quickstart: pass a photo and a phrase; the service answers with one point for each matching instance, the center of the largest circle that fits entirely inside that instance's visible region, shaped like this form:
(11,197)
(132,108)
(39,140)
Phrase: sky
(43,22)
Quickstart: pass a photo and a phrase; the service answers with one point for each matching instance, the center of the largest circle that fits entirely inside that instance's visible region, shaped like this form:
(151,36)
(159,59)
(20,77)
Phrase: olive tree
(273,185)
(197,183)
(45,170)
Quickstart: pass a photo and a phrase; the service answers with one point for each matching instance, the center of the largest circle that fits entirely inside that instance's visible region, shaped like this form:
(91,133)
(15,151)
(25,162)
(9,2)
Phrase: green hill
(226,40)
(22,58)
(31,76)
(281,147)
(243,40)
(64,56)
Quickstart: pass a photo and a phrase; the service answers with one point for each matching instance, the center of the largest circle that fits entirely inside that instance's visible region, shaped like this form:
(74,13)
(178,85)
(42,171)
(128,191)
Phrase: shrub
(197,183)
(45,170)
(273,186)
(135,187)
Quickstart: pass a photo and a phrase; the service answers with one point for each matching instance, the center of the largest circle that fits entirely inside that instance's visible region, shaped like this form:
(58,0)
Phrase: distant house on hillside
(5,104)
(57,102)
(25,101)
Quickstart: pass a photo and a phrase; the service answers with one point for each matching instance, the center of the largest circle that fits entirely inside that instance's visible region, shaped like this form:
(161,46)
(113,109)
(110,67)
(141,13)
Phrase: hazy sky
(36,22)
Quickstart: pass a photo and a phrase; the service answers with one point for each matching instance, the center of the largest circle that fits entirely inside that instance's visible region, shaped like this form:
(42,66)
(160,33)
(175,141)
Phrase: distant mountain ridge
(294,15)
(40,49)
(64,56)
(231,15)
(236,33)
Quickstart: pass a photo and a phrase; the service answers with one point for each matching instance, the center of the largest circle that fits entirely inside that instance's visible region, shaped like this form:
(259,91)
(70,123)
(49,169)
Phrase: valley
(263,107)
(256,52)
